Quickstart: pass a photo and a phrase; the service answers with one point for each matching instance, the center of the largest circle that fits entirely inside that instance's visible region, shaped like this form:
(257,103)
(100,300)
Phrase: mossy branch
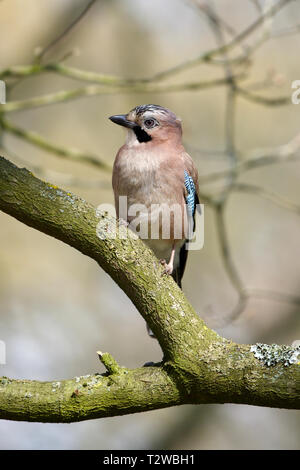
(198,366)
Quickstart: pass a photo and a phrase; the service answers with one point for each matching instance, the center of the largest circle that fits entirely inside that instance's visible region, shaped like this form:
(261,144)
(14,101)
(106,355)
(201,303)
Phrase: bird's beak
(122,120)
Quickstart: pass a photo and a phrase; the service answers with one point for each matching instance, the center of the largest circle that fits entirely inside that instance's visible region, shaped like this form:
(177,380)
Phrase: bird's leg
(122,222)
(169,267)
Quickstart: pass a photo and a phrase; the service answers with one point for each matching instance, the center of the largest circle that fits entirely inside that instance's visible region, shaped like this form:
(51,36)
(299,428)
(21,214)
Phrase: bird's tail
(179,271)
(177,276)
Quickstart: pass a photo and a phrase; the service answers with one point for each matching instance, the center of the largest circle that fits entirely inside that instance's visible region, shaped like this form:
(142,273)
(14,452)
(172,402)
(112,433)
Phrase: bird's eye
(149,123)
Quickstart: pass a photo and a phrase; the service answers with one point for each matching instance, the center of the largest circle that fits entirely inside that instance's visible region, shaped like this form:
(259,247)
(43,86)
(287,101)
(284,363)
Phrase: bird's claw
(122,223)
(168,267)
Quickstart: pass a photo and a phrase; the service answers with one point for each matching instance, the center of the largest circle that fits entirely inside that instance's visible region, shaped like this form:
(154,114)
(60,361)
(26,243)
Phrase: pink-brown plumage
(149,169)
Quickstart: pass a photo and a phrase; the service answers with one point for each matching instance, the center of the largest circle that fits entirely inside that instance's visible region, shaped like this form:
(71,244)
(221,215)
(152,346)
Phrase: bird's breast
(139,176)
(154,189)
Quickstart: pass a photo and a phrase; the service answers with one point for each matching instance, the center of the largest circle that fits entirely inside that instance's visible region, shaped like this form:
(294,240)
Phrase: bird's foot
(122,223)
(168,267)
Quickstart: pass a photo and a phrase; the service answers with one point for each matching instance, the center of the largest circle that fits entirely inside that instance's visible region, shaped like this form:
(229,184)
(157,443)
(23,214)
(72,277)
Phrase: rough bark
(198,366)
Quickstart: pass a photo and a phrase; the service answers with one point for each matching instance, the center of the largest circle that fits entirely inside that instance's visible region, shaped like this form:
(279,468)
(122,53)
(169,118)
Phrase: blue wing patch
(191,193)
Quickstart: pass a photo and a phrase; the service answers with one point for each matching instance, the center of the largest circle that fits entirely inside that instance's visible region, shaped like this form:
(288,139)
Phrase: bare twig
(63,179)
(65,32)
(22,71)
(283,154)
(92,90)
(264,100)
(273,295)
(226,252)
(236,41)
(269,195)
(39,141)
(216,25)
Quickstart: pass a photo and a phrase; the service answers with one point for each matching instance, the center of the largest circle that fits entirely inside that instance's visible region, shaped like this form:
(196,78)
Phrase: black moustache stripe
(141,135)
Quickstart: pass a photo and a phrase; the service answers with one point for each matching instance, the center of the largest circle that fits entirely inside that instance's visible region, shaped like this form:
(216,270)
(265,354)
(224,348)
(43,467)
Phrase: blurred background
(57,308)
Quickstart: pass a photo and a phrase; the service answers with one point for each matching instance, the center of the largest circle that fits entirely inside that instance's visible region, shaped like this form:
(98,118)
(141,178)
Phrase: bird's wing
(191,186)
(191,183)
(191,195)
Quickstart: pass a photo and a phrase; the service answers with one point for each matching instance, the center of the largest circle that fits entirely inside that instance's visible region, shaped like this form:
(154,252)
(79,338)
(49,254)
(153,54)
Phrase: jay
(153,170)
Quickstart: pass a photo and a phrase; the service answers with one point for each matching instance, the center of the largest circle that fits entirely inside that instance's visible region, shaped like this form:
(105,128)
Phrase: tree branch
(65,32)
(199,366)
(92,90)
(69,153)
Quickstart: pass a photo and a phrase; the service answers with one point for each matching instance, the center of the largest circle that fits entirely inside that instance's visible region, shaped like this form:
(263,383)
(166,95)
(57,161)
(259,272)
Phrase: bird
(155,173)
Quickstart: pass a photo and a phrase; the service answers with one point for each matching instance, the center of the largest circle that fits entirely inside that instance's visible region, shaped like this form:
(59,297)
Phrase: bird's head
(150,123)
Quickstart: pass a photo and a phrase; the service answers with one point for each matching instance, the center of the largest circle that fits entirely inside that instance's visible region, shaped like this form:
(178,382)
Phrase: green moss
(5,380)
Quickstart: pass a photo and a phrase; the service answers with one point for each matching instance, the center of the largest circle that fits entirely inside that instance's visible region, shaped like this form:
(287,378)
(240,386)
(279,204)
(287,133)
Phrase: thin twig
(39,141)
(236,41)
(63,70)
(64,33)
(267,194)
(92,90)
(289,152)
(63,179)
(226,252)
(273,295)
(214,21)
(264,100)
